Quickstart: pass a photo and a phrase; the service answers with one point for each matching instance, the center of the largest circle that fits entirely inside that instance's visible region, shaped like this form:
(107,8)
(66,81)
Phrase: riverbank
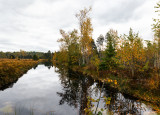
(12,69)
(138,88)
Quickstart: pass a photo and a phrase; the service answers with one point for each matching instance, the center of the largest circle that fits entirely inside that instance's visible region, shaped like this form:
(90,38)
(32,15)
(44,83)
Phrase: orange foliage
(11,69)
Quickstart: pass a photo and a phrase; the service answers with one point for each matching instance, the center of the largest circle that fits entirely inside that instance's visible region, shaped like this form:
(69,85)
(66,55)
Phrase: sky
(33,25)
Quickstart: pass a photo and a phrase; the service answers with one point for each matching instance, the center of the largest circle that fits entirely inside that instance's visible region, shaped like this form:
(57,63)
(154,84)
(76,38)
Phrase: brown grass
(12,69)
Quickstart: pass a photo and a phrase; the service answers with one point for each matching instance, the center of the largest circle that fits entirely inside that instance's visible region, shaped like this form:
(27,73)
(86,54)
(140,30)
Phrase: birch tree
(86,30)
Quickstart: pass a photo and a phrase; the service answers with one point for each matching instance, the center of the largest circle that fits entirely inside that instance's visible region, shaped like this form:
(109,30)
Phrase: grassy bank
(139,88)
(12,69)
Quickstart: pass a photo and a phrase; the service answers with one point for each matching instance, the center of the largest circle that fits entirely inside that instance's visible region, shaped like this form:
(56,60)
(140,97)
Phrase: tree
(156,25)
(150,51)
(85,34)
(100,41)
(12,57)
(35,57)
(131,52)
(109,59)
(156,29)
(70,46)
(94,48)
(74,48)
(48,55)
(2,55)
(23,53)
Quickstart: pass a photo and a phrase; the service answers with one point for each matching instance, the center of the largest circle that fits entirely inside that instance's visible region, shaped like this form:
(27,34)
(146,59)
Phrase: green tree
(109,59)
(74,48)
(12,57)
(70,46)
(35,57)
(150,51)
(48,56)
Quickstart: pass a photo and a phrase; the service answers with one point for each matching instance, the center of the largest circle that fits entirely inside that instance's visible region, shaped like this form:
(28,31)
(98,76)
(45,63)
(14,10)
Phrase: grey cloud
(9,13)
(118,12)
(14,4)
(26,47)
(35,24)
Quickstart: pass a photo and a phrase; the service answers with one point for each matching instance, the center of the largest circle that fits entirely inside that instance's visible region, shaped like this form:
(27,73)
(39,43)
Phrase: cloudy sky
(33,25)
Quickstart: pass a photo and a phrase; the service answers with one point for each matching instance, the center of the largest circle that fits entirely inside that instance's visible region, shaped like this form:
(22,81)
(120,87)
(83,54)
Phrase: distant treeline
(26,55)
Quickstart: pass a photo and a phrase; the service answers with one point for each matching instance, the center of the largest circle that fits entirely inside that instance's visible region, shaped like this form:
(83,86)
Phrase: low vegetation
(12,69)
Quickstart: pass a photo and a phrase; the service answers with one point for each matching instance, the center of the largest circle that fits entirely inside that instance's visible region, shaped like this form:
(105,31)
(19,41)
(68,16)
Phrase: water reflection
(77,87)
(48,64)
(46,89)
(8,85)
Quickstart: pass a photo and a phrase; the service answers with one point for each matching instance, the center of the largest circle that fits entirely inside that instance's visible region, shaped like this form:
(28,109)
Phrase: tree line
(27,55)
(111,51)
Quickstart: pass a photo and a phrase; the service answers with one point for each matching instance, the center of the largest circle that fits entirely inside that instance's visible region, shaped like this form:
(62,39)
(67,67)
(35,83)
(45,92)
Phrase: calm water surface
(52,91)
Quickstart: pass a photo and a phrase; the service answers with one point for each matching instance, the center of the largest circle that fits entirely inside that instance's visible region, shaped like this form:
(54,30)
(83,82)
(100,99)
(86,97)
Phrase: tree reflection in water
(48,64)
(123,105)
(77,87)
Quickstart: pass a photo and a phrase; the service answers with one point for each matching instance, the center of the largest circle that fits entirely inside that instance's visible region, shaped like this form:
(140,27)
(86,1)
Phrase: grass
(12,69)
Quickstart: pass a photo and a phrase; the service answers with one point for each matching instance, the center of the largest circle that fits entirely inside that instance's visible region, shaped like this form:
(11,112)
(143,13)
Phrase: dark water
(47,90)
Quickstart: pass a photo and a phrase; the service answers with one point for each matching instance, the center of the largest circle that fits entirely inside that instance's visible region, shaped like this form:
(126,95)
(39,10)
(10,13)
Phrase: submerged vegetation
(12,69)
(128,59)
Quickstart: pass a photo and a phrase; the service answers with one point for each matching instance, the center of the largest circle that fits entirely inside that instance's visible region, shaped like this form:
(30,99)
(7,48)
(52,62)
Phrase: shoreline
(153,101)
(12,69)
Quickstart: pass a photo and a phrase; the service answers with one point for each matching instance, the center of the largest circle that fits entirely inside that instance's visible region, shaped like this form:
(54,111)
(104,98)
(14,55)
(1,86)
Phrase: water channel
(47,90)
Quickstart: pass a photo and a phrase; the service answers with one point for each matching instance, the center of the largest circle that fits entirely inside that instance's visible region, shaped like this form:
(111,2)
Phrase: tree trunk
(83,56)
(132,72)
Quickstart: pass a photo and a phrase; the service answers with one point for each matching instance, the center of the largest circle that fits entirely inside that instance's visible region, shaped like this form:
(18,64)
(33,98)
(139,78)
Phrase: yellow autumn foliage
(11,69)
